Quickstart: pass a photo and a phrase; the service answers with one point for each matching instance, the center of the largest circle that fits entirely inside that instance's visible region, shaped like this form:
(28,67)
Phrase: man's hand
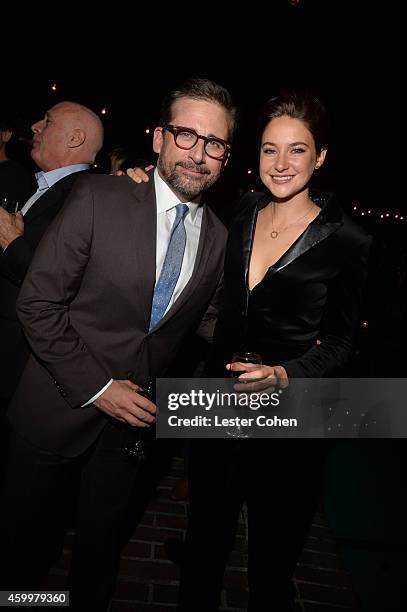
(11,227)
(121,401)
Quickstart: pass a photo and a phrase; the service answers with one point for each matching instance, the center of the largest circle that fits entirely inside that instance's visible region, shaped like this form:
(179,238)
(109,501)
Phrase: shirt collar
(45,180)
(166,198)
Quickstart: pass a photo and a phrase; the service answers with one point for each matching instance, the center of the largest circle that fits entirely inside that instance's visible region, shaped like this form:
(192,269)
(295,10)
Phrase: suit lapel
(52,196)
(143,214)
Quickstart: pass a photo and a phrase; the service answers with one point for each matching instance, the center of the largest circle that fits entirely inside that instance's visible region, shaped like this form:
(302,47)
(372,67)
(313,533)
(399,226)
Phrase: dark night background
(126,61)
(349,53)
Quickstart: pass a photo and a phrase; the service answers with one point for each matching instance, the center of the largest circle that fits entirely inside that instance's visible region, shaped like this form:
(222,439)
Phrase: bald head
(69,134)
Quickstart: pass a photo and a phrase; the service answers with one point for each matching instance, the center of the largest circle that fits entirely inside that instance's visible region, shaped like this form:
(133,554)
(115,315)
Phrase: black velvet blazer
(313,292)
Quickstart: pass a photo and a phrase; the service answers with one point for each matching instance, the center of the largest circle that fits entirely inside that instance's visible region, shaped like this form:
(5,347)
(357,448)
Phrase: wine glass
(244,357)
(137,440)
(249,358)
(11,206)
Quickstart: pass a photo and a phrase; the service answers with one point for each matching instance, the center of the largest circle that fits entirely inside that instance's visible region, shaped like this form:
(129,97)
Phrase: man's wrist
(4,243)
(98,394)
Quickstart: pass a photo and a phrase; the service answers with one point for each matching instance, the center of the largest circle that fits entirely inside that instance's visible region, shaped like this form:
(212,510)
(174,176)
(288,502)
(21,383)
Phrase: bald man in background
(65,143)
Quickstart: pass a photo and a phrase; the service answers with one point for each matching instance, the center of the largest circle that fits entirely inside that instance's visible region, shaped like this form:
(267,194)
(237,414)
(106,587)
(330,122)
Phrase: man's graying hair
(200,89)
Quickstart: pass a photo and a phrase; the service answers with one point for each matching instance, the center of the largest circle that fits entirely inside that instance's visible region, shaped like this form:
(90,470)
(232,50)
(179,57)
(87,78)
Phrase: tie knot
(181,211)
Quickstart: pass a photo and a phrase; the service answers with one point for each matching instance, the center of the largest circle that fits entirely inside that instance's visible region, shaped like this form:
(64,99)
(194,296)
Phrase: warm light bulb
(355,208)
(249,172)
(104,110)
(365,324)
(147,130)
(54,87)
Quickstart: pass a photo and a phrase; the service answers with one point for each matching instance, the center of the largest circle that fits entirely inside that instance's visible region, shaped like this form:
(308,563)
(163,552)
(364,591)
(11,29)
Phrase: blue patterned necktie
(164,287)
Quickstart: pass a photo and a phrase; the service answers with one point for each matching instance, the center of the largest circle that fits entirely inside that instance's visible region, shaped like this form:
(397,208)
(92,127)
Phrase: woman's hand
(138,175)
(256,377)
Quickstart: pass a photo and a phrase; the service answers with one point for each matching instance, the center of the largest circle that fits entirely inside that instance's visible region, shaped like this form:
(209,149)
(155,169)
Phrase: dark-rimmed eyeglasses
(186,138)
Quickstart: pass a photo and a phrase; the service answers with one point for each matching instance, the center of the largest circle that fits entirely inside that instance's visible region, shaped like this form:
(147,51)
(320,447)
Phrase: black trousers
(280,482)
(37,503)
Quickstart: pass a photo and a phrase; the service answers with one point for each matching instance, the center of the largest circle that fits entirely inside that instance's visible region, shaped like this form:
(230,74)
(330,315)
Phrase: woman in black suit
(294,272)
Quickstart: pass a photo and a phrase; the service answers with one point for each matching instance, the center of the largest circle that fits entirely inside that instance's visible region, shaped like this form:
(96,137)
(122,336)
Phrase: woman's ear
(320,158)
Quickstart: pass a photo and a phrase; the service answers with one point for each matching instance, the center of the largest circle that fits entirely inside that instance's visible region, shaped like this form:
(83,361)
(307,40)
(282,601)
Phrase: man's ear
(5,135)
(77,138)
(157,140)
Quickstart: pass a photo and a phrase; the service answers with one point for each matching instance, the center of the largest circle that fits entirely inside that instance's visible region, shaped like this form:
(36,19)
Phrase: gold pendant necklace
(274,233)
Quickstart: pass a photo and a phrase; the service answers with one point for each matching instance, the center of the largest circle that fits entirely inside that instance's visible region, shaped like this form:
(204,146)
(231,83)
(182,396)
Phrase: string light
(378,213)
(147,130)
(54,87)
(104,110)
(249,172)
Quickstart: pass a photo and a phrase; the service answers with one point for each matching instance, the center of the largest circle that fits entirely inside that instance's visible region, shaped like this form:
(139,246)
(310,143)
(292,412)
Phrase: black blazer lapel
(248,228)
(328,221)
(317,231)
(52,196)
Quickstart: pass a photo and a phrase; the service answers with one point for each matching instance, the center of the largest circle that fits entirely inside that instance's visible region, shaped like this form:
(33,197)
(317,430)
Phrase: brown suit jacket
(85,307)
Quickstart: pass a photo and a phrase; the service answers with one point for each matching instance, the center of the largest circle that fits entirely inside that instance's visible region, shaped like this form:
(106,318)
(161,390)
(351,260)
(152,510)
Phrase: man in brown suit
(85,306)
